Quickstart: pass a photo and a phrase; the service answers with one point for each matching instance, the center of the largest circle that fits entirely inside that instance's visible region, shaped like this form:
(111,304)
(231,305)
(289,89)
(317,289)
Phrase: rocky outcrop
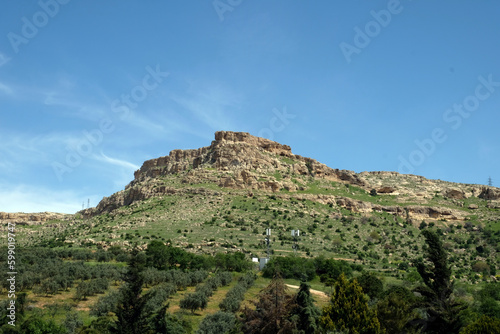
(229,150)
(234,160)
(424,189)
(386,190)
(238,160)
(412,211)
(454,193)
(490,193)
(247,157)
(21,218)
(139,193)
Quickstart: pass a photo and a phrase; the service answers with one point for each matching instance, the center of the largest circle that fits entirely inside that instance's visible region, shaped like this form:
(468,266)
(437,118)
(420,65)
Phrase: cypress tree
(307,313)
(348,310)
(129,311)
(441,307)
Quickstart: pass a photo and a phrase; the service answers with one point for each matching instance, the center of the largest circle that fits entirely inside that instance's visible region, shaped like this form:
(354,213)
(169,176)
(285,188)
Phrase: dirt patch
(314,292)
(343,259)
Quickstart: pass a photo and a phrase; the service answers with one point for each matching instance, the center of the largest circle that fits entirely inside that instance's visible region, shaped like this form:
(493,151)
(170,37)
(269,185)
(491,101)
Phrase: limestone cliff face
(242,153)
(234,160)
(238,160)
(228,150)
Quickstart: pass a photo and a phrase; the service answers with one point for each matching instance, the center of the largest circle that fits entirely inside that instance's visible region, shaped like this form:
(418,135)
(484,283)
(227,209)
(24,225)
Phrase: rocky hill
(223,197)
(237,160)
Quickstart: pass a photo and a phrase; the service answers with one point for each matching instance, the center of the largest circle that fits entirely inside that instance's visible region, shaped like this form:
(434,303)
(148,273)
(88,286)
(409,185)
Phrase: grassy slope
(228,220)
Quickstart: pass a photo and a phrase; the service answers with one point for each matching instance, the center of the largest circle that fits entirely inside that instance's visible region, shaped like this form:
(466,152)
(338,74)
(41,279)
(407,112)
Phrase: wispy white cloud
(117,162)
(139,121)
(74,106)
(25,157)
(176,124)
(3,59)
(5,89)
(26,198)
(59,88)
(120,176)
(7,167)
(62,97)
(22,147)
(211,104)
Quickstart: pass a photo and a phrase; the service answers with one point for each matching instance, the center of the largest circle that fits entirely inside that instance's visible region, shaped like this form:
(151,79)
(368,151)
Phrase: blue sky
(91,89)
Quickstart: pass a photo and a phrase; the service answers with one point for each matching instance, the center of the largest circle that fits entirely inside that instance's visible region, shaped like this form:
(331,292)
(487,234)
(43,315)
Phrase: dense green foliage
(232,262)
(348,310)
(397,310)
(48,271)
(290,267)
(131,313)
(161,256)
(371,285)
(484,325)
(305,314)
(139,297)
(217,323)
(305,269)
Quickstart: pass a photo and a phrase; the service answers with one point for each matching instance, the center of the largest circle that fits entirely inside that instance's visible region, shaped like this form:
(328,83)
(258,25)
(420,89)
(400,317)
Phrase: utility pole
(268,242)
(295,235)
(490,181)
(88,203)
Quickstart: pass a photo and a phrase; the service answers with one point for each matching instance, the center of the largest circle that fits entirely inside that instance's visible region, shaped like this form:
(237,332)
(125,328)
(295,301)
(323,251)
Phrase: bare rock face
(247,157)
(412,211)
(229,150)
(490,193)
(22,218)
(422,189)
(386,190)
(455,193)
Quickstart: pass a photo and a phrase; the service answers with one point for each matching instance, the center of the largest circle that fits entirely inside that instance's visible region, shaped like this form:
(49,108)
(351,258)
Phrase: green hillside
(206,208)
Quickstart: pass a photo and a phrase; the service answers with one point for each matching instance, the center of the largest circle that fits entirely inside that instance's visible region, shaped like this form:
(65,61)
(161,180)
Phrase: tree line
(361,305)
